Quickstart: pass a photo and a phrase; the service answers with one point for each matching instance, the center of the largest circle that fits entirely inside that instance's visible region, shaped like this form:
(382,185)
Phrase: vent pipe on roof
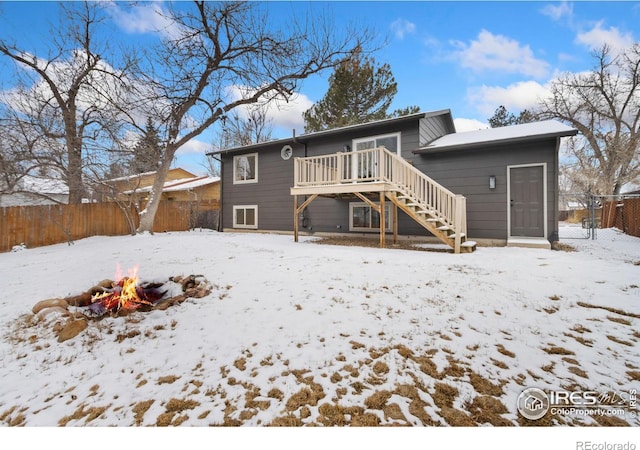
(295,141)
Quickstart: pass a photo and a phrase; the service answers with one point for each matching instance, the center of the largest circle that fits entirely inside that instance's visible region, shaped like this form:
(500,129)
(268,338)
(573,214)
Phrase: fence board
(622,214)
(36,226)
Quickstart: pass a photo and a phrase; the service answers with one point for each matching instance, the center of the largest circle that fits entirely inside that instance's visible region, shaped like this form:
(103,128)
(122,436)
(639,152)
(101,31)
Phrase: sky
(469,57)
(290,330)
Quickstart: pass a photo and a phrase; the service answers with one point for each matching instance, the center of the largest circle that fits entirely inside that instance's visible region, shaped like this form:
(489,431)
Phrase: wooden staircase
(431,221)
(438,210)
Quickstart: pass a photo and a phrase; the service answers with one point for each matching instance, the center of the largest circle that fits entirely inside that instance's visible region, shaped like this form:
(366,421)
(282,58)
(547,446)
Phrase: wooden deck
(380,174)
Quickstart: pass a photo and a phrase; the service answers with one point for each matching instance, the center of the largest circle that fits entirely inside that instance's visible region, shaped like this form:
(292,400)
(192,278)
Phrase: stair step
(469,244)
(453,236)
(445,228)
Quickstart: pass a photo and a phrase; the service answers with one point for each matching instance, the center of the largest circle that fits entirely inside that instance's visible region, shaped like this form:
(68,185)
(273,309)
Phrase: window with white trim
(389,141)
(362,217)
(245,216)
(245,168)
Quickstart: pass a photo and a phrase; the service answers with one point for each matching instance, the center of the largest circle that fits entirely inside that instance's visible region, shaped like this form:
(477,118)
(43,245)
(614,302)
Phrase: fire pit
(122,296)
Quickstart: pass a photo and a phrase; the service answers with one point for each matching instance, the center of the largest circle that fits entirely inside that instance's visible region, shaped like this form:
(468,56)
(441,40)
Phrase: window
(389,141)
(364,218)
(245,168)
(245,216)
(366,165)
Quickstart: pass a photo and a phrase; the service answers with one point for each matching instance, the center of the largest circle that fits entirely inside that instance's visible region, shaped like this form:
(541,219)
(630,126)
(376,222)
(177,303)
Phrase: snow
(542,128)
(286,316)
(182,184)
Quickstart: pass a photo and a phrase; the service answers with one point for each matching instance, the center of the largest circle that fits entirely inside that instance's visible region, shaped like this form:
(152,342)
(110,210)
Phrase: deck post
(295,218)
(382,224)
(457,222)
(395,223)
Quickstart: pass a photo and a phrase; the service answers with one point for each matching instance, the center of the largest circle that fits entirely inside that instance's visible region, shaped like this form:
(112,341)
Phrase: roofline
(513,140)
(334,131)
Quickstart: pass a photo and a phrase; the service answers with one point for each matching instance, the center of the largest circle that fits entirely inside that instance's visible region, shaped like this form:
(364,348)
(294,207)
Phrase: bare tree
(604,106)
(226,47)
(60,96)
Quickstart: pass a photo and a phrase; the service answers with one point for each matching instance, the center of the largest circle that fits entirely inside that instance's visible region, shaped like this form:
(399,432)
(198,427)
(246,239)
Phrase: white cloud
(558,11)
(289,115)
(514,97)
(402,27)
(285,115)
(595,38)
(491,52)
(144,18)
(463,125)
(194,146)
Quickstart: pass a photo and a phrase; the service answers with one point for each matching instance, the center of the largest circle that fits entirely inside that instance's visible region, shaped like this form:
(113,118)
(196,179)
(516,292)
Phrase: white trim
(245,155)
(244,226)
(388,222)
(544,200)
(355,142)
(398,136)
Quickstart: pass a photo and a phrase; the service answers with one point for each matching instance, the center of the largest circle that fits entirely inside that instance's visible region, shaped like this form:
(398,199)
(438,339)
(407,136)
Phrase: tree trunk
(148,214)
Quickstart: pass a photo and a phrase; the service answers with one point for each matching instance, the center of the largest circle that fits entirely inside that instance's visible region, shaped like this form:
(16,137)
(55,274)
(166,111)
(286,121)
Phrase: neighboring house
(180,185)
(31,191)
(184,189)
(497,186)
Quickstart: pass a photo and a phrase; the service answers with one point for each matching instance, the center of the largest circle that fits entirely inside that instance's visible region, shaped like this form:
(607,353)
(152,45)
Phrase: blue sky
(469,57)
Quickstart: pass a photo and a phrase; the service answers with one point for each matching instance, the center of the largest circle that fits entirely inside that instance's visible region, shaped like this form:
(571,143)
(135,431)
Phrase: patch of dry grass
(484,386)
(619,341)
(488,409)
(139,410)
(504,351)
(168,379)
(619,320)
(555,350)
(608,308)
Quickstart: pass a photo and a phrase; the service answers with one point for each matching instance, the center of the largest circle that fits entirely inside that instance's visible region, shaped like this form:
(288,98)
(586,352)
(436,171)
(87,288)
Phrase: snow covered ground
(296,334)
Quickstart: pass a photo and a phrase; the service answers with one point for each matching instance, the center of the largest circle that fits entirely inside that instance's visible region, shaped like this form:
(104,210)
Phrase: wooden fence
(35,226)
(622,214)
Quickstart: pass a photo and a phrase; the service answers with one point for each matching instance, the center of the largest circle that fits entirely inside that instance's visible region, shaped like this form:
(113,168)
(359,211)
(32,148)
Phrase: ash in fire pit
(117,298)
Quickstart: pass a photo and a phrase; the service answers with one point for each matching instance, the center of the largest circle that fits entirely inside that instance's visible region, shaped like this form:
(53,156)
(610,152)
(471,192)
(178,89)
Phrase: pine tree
(359,91)
(147,151)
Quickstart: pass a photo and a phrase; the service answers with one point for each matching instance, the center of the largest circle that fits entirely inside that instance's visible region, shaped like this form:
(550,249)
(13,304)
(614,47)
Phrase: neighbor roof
(501,135)
(335,131)
(183,184)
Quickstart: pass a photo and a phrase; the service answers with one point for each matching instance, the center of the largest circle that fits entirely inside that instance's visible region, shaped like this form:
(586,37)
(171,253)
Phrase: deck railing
(380,165)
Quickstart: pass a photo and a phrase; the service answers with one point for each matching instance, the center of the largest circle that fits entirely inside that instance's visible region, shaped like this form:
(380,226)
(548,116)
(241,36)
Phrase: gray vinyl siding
(467,173)
(463,172)
(270,193)
(431,128)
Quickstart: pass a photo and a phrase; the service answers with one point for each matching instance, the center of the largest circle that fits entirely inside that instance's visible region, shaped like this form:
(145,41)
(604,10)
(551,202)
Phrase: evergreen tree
(359,91)
(147,151)
(502,118)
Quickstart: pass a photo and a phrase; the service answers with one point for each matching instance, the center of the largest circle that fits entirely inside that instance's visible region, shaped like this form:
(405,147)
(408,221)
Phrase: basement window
(245,216)
(364,218)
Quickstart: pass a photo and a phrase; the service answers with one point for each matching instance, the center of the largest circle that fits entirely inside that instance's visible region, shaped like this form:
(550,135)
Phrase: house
(495,186)
(32,191)
(180,185)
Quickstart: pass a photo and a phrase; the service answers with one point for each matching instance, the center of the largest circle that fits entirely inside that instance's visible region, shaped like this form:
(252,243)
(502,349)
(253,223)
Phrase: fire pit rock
(70,316)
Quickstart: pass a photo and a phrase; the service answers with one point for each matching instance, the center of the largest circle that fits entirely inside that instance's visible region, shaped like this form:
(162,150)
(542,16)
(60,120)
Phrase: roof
(183,184)
(503,135)
(336,131)
(143,174)
(42,185)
